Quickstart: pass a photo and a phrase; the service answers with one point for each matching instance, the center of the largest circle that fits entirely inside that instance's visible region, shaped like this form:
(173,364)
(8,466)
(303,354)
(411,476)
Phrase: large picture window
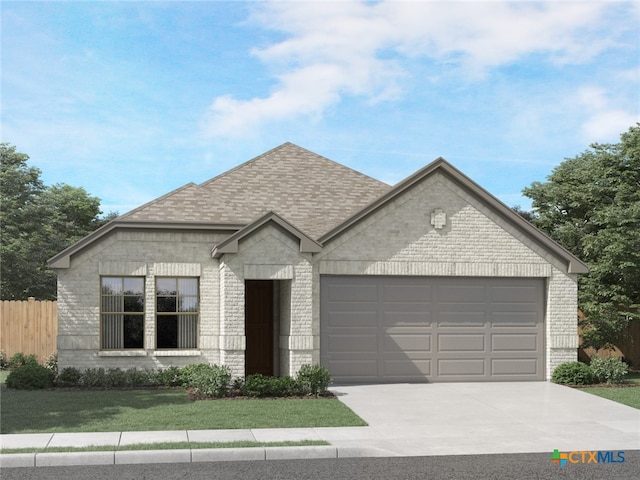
(176,313)
(122,313)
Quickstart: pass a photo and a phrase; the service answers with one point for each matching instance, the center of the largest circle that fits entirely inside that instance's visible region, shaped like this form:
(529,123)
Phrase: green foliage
(3,360)
(116,378)
(20,359)
(37,222)
(313,379)
(573,373)
(30,376)
(209,381)
(591,205)
(258,385)
(93,378)
(169,377)
(609,369)
(68,377)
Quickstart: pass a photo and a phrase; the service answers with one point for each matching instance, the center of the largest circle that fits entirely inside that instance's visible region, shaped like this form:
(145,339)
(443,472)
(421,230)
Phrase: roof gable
(231,244)
(574,265)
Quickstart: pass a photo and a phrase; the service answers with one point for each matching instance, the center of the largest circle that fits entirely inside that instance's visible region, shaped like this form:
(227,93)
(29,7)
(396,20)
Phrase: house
(291,258)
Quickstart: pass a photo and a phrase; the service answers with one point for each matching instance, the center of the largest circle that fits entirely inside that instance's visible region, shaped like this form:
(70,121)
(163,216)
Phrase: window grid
(122,313)
(177,305)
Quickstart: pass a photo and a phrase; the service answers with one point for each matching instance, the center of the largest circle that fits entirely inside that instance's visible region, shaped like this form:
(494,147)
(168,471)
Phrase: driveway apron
(480,418)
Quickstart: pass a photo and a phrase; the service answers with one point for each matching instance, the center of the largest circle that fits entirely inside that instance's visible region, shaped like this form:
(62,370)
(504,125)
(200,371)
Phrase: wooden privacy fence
(29,327)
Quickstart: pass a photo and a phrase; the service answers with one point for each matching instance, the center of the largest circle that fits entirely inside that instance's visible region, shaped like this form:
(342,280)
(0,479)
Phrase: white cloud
(333,49)
(604,122)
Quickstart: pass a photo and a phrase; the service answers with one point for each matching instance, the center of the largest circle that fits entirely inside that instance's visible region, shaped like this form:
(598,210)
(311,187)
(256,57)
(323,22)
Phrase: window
(122,312)
(176,313)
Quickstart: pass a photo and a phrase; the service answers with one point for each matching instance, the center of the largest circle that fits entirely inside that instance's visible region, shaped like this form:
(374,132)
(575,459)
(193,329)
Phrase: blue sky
(131,100)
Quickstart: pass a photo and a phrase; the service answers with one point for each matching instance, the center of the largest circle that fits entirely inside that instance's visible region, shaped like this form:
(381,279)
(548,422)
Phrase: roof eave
(63,259)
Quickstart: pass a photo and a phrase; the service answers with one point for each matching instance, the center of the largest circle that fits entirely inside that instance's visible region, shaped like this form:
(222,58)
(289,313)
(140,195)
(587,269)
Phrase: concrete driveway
(477,418)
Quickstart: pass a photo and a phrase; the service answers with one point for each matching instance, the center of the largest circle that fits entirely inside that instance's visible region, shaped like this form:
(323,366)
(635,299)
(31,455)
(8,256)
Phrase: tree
(37,222)
(591,205)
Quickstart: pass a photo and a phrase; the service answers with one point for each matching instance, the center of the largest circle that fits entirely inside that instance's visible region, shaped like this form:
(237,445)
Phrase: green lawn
(139,410)
(625,395)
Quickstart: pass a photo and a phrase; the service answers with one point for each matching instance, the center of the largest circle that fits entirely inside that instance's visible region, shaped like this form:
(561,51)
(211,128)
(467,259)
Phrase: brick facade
(469,239)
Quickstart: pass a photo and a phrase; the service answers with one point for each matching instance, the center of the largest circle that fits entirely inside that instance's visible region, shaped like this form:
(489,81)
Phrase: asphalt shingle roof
(308,190)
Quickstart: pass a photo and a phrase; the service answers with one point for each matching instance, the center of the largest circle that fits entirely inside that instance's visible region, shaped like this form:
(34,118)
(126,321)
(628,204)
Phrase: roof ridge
(282,146)
(244,164)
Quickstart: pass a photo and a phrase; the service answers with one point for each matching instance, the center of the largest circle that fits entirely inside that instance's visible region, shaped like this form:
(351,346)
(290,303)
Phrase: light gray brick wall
(399,239)
(148,254)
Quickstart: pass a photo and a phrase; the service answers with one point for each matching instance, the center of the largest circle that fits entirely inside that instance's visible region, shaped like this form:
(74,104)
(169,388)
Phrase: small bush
(3,360)
(94,378)
(51,362)
(140,378)
(258,385)
(314,379)
(30,376)
(209,381)
(188,372)
(609,369)
(20,360)
(169,377)
(573,373)
(68,377)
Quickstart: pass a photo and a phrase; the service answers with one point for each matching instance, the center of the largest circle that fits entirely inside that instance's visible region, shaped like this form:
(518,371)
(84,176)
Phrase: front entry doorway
(259,326)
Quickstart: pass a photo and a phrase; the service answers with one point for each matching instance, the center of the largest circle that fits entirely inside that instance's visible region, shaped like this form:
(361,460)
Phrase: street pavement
(403,420)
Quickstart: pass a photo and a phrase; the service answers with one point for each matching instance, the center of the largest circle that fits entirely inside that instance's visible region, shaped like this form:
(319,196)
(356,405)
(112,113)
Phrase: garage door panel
(354,343)
(515,367)
(514,342)
(406,292)
(353,319)
(461,343)
(515,320)
(406,343)
(513,294)
(407,370)
(354,369)
(461,319)
(432,328)
(456,293)
(469,367)
(350,293)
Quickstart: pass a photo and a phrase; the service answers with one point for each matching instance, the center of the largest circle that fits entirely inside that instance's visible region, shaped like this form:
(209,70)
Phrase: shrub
(140,378)
(169,377)
(30,376)
(313,379)
(573,373)
(209,381)
(68,377)
(3,360)
(51,362)
(20,360)
(609,369)
(258,385)
(94,378)
(187,373)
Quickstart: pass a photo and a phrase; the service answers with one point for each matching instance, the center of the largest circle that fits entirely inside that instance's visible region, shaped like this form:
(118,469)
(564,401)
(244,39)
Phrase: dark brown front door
(258,298)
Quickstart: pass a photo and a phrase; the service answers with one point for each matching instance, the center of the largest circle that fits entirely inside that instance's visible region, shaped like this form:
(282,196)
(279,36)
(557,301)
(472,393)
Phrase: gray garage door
(417,329)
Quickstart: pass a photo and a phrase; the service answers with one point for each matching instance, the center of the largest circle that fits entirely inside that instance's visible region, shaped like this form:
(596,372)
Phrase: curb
(131,457)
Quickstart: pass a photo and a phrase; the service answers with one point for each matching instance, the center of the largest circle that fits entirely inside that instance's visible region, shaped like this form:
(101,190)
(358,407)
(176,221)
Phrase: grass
(57,411)
(165,446)
(626,395)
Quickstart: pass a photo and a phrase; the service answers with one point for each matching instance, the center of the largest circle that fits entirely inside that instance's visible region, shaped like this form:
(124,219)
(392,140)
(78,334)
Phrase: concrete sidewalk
(404,420)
